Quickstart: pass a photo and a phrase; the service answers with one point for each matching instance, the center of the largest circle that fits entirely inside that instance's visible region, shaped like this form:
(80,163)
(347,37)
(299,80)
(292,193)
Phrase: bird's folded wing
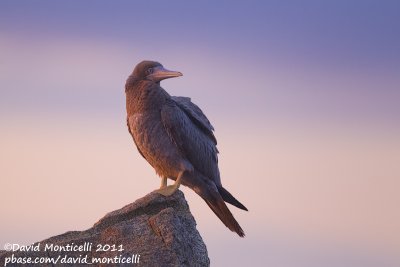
(193,142)
(196,115)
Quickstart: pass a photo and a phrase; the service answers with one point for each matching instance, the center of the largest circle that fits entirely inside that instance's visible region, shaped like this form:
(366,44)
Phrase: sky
(304,97)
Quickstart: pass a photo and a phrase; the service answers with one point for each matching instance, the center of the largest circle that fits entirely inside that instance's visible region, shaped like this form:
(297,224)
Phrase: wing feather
(196,115)
(195,144)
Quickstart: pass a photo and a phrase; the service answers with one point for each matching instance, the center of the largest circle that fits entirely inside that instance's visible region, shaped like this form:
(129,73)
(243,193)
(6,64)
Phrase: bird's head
(153,71)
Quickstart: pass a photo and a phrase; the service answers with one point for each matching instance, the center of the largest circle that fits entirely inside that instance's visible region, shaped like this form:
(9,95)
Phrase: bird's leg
(163,182)
(171,189)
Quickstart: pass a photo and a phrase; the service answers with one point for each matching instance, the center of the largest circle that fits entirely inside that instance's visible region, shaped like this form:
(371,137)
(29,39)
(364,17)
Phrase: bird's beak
(160,73)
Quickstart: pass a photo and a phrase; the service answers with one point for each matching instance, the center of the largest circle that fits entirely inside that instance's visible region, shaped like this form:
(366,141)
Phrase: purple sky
(339,59)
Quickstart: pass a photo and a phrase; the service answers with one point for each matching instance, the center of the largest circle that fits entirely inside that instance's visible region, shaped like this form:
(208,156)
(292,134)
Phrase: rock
(152,231)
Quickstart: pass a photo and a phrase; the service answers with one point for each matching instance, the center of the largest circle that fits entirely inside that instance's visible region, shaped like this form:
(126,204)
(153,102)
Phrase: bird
(175,137)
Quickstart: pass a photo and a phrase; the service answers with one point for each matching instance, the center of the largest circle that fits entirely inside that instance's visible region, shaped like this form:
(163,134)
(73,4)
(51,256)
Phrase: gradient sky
(304,98)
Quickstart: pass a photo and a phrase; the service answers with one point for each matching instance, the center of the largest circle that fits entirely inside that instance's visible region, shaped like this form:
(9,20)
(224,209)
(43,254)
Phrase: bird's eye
(150,71)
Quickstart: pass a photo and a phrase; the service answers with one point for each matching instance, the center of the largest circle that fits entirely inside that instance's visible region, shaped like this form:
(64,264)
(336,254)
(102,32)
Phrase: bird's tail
(208,191)
(218,206)
(230,199)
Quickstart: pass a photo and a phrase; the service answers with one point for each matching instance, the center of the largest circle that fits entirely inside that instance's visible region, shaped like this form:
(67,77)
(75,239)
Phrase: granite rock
(152,231)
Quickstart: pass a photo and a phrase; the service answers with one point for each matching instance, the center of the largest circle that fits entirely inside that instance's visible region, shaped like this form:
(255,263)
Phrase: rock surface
(152,231)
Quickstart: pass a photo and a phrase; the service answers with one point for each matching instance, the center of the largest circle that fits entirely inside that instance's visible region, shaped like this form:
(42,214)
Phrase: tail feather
(220,209)
(208,191)
(230,199)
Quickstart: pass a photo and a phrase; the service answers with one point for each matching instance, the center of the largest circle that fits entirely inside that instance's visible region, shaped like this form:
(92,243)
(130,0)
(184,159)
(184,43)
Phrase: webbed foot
(168,190)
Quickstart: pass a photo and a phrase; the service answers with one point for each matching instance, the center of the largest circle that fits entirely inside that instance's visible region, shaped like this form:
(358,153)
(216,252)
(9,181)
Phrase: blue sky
(340,30)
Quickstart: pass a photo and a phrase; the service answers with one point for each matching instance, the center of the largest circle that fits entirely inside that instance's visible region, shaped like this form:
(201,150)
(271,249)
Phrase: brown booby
(176,138)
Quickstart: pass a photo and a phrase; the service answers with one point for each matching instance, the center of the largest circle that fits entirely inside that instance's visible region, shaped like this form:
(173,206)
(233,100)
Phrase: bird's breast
(145,127)
(154,142)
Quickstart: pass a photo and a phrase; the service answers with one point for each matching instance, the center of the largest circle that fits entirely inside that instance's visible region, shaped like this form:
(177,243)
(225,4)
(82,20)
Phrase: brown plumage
(177,139)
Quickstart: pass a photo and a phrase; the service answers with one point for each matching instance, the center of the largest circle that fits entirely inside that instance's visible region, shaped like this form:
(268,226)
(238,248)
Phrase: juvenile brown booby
(177,139)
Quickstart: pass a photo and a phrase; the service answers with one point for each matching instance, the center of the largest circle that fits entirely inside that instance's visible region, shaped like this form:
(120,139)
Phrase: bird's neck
(144,96)
(133,83)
